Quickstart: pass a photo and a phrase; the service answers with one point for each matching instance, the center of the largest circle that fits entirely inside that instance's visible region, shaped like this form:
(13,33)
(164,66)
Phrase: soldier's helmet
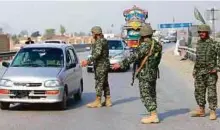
(204,28)
(96,30)
(146,30)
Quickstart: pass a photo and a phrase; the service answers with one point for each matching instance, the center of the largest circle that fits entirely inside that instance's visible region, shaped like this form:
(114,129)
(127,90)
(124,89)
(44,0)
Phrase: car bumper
(31,95)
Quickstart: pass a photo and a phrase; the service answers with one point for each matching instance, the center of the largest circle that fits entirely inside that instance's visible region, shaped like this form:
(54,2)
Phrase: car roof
(47,45)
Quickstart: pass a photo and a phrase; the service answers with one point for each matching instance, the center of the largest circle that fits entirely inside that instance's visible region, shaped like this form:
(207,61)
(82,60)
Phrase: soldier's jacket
(100,53)
(206,57)
(150,70)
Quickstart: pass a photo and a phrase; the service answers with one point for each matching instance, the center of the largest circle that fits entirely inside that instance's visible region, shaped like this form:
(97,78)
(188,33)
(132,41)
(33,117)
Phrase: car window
(38,57)
(115,45)
(72,55)
(75,56)
(68,58)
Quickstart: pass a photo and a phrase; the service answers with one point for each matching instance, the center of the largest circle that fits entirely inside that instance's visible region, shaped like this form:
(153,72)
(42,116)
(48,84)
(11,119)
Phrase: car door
(69,71)
(76,70)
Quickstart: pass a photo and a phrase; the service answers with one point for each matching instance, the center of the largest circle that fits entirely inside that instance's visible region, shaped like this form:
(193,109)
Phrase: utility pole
(212,16)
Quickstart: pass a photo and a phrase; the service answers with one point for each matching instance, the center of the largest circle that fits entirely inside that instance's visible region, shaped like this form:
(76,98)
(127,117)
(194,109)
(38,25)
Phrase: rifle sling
(146,58)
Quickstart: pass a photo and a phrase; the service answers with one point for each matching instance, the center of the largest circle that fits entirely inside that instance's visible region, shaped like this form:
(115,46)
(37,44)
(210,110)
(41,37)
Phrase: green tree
(23,33)
(62,29)
(35,34)
(49,33)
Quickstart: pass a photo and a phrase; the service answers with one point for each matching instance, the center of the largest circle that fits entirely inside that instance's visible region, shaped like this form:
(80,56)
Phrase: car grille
(28,84)
(17,94)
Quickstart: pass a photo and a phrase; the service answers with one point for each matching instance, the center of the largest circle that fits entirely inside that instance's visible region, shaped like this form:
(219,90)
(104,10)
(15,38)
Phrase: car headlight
(6,83)
(52,83)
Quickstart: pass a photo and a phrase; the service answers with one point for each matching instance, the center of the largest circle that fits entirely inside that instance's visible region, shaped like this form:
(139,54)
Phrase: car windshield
(115,45)
(39,57)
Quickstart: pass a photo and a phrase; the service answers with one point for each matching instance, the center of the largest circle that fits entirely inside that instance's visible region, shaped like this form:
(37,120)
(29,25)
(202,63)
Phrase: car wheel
(78,95)
(63,105)
(4,105)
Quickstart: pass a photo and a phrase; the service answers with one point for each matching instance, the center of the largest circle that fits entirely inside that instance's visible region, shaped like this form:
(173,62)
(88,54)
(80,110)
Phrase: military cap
(96,30)
(204,28)
(146,30)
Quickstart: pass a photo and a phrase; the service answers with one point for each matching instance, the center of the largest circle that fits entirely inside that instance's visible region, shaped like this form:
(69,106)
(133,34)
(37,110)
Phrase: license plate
(20,93)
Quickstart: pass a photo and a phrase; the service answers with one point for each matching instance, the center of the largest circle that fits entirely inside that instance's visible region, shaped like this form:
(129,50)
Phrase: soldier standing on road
(148,73)
(100,59)
(205,73)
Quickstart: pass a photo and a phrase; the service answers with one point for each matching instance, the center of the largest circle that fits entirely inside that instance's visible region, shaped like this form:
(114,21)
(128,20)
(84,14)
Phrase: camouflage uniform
(149,73)
(100,54)
(100,59)
(206,61)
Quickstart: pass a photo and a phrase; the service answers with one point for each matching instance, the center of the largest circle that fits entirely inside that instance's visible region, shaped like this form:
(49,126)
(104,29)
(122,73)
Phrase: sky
(79,16)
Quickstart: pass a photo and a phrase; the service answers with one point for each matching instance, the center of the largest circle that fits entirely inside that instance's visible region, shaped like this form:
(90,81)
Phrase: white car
(118,51)
(42,73)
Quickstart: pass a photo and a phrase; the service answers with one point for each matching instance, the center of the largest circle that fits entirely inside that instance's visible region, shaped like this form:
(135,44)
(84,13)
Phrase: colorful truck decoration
(135,18)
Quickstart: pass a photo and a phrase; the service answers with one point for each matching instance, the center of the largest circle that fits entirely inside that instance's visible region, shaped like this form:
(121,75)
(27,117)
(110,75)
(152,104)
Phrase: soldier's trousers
(148,94)
(203,83)
(101,82)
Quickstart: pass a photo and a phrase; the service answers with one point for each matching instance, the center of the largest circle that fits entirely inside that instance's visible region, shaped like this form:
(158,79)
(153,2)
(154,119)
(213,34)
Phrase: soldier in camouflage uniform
(205,73)
(149,73)
(100,59)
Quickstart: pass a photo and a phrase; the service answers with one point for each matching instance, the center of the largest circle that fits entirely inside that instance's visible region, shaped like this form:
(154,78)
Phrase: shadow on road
(72,104)
(125,100)
(171,113)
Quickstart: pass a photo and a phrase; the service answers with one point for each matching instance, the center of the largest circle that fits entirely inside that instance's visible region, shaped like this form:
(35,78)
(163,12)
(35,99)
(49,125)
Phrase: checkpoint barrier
(190,52)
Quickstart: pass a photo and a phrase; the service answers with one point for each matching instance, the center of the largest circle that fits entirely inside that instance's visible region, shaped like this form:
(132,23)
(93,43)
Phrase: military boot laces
(200,112)
(212,115)
(153,118)
(95,104)
(107,102)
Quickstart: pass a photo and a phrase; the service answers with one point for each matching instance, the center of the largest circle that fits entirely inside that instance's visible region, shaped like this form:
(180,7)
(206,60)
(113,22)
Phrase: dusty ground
(183,67)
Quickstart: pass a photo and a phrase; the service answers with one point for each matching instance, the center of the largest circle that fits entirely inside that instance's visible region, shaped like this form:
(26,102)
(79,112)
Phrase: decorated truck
(135,18)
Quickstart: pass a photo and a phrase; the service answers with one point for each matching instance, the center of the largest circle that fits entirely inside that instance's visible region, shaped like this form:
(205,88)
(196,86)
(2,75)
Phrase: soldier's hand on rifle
(116,66)
(84,63)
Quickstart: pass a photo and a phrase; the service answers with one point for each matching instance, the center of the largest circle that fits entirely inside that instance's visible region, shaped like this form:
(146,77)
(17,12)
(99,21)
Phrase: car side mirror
(5,64)
(71,66)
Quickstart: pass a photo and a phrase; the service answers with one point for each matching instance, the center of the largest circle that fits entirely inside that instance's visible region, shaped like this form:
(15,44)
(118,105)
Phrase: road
(174,95)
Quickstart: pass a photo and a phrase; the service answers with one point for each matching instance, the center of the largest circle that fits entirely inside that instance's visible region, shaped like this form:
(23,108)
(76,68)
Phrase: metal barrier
(190,52)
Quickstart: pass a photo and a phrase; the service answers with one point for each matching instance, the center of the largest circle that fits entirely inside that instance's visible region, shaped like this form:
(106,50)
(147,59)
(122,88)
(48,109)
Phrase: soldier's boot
(107,102)
(95,104)
(153,118)
(212,115)
(200,112)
